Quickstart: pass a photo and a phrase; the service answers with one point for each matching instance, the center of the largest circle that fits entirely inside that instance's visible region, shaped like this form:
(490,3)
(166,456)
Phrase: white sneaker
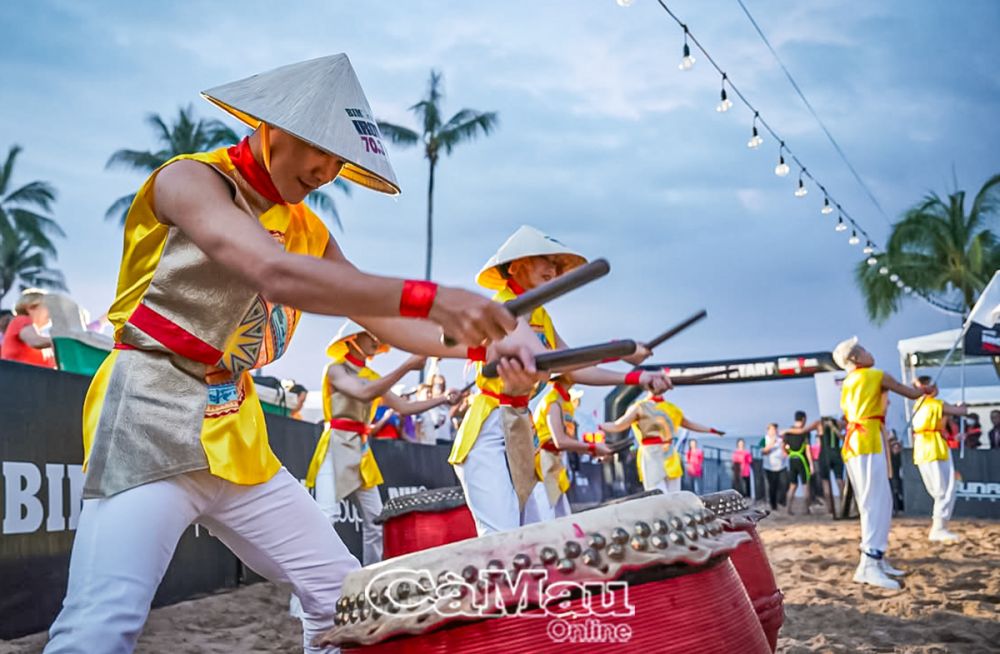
(869,572)
(889,569)
(943,536)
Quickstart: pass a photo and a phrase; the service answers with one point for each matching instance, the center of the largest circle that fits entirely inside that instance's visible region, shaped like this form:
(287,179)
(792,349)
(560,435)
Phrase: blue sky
(602,143)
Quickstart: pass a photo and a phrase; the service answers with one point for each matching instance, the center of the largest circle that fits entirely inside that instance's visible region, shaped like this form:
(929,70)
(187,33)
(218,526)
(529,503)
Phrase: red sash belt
(516,401)
(355,426)
(859,426)
(652,440)
(550,446)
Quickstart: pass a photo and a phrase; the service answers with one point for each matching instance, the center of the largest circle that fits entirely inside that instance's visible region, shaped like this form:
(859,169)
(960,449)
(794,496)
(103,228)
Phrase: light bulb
(872,261)
(782,168)
(893,277)
(625,3)
(883,270)
(827,209)
(687,61)
(899,283)
(755,140)
(724,103)
(907,289)
(801,191)
(854,240)
(841,225)
(868,249)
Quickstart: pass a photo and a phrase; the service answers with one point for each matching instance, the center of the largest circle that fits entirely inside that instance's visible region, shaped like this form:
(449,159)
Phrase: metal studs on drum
(691,533)
(572,549)
(565,566)
(616,552)
(660,526)
(703,531)
(619,536)
(548,555)
(363,613)
(359,600)
(470,573)
(597,541)
(641,529)
(676,522)
(403,590)
(659,541)
(521,561)
(715,528)
(689,519)
(638,543)
(494,565)
(355,616)
(373,597)
(591,557)
(676,537)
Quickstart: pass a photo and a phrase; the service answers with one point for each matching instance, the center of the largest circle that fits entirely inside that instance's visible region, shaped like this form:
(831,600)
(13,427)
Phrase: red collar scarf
(355,360)
(563,393)
(255,174)
(515,288)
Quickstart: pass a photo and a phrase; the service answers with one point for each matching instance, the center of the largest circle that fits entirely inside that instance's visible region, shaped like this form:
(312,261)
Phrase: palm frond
(986,204)
(144,161)
(398,134)
(469,125)
(119,208)
(8,167)
(39,194)
(343,186)
(323,203)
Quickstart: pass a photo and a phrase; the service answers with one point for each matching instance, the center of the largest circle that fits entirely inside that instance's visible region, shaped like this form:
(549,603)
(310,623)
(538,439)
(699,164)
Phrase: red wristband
(592,448)
(417,298)
(632,378)
(476,353)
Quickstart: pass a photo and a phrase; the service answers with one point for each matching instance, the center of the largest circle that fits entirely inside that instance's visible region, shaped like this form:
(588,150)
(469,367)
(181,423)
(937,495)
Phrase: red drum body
(750,560)
(411,523)
(651,575)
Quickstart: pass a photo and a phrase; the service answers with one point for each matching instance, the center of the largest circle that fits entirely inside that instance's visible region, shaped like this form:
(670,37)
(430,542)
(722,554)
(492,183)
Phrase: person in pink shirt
(742,461)
(695,461)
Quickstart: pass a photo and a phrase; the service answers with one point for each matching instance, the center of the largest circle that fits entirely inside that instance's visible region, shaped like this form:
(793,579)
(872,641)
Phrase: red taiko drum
(750,560)
(419,521)
(652,575)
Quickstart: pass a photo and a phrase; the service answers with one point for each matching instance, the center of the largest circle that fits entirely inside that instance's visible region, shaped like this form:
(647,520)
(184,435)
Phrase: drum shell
(704,610)
(421,530)
(751,562)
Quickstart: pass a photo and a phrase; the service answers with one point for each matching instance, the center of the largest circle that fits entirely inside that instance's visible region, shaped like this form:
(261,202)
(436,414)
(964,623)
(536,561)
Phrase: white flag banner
(983,334)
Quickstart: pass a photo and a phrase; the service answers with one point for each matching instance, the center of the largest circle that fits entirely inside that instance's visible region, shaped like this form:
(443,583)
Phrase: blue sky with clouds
(602,143)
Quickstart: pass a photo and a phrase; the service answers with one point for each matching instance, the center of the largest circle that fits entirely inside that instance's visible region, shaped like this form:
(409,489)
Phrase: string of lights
(845,221)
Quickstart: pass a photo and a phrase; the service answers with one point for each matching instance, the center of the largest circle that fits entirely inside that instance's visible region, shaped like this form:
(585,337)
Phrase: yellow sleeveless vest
(862,401)
(233,433)
(482,404)
(928,442)
(659,420)
(544,434)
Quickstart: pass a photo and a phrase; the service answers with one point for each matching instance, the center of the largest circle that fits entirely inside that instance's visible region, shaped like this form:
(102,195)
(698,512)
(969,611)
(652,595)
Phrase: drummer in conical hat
(497,428)
(555,426)
(220,258)
(343,465)
(655,423)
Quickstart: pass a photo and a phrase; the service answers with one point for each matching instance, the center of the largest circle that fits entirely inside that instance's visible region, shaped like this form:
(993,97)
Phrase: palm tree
(435,135)
(942,252)
(26,245)
(188,134)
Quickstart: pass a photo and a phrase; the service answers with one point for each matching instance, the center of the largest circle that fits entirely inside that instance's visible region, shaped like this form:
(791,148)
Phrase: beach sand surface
(950,603)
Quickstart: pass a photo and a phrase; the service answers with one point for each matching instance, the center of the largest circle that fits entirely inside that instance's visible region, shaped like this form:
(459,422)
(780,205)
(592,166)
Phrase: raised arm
(194,198)
(32,338)
(565,442)
(954,409)
(411,407)
(694,426)
(889,383)
(655,381)
(368,390)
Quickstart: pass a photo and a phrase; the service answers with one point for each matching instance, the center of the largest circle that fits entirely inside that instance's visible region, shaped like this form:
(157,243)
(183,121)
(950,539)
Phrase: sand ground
(951,601)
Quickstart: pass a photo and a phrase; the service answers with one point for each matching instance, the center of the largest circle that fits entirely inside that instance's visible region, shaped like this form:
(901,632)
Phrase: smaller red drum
(750,560)
(419,521)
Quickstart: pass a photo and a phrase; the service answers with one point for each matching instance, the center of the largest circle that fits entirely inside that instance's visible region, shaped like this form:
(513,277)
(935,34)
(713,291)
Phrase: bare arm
(411,407)
(367,390)
(377,427)
(32,338)
(623,423)
(194,198)
(694,426)
(954,410)
(889,383)
(655,380)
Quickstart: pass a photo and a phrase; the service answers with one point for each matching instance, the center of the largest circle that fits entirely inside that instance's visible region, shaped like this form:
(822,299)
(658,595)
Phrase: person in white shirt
(774,463)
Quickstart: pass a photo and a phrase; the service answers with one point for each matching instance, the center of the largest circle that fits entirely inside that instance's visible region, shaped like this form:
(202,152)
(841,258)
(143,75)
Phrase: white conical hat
(338,346)
(321,102)
(842,353)
(526,242)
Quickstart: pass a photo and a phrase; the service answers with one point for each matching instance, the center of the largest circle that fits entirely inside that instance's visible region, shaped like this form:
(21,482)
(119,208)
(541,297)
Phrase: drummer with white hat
(343,465)
(494,449)
(220,258)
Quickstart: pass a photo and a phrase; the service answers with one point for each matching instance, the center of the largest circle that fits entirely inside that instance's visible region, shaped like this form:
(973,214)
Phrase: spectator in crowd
(695,461)
(6,315)
(830,459)
(973,432)
(23,340)
(742,462)
(800,461)
(299,394)
(994,435)
(895,471)
(436,423)
(774,464)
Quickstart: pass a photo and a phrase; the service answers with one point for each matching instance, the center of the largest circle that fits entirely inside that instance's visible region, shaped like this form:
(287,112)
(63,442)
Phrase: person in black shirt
(994,435)
(800,461)
(831,460)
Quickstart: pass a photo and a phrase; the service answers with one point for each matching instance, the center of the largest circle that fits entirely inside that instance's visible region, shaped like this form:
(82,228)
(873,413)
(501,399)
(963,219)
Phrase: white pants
(485,478)
(939,479)
(124,543)
(539,509)
(670,485)
(369,503)
(870,479)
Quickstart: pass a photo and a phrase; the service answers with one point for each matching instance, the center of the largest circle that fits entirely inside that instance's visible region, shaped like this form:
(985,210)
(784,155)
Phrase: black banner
(982,341)
(977,492)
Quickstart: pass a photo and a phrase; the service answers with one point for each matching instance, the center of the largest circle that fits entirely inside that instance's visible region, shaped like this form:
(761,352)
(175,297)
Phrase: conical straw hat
(338,346)
(320,101)
(842,352)
(527,242)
